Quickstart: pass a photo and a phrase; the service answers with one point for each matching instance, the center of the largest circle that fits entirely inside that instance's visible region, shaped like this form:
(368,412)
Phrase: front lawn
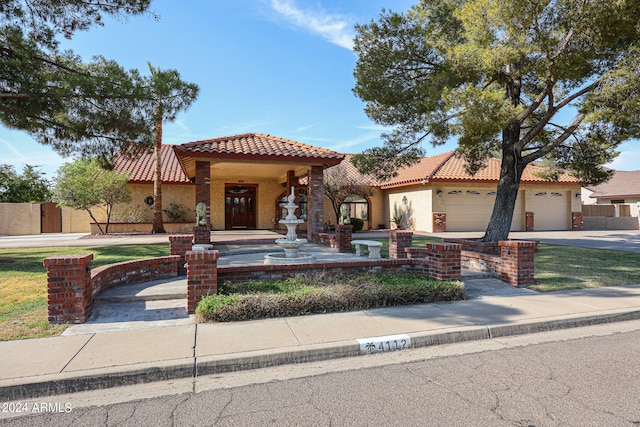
(23,284)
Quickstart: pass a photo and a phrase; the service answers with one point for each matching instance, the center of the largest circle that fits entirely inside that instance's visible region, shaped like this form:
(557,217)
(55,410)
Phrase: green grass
(321,293)
(561,267)
(23,284)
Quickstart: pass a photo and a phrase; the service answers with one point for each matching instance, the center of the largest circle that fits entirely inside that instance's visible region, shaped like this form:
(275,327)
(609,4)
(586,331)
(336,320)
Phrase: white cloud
(629,158)
(337,29)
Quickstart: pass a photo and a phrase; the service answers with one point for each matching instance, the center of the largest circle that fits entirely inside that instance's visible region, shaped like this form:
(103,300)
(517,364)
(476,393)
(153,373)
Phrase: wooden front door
(50,218)
(240,206)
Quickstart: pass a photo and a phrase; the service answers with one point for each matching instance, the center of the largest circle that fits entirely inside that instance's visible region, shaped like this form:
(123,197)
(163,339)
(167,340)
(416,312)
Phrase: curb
(55,384)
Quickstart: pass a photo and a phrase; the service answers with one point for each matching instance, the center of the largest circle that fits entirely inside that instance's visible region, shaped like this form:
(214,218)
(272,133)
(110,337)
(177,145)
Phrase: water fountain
(291,244)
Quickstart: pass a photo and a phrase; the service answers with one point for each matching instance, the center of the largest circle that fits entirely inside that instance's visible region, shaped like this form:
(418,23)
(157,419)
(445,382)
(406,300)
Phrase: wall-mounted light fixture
(578,195)
(439,193)
(405,200)
(423,182)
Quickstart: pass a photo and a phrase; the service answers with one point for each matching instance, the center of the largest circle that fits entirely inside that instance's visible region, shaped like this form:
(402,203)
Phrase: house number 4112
(384,344)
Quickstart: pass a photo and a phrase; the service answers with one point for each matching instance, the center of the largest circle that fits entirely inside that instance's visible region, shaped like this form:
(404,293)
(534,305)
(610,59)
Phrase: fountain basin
(281,258)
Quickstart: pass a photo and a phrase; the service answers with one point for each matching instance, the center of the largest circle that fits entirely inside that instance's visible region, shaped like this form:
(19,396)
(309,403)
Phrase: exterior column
(529,221)
(180,245)
(69,288)
(203,187)
(344,234)
(202,276)
(577,221)
(399,240)
(444,261)
(516,266)
(315,200)
(439,222)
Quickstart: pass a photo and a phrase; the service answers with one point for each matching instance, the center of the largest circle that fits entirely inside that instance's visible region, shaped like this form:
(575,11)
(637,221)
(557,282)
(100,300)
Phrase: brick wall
(344,237)
(180,245)
(69,290)
(202,234)
(202,276)
(516,262)
(136,271)
(443,261)
(277,272)
(577,221)
(529,226)
(475,245)
(439,222)
(399,240)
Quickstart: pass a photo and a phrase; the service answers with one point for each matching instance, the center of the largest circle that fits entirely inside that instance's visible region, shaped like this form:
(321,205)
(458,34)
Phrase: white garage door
(470,210)
(550,210)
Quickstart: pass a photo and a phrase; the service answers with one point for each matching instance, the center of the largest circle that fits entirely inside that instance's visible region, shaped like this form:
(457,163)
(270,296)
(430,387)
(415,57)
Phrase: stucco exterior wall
(414,204)
(19,219)
(74,221)
(180,194)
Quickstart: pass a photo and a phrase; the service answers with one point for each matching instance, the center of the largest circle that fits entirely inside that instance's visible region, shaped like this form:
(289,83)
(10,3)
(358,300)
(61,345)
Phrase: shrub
(321,293)
(357,224)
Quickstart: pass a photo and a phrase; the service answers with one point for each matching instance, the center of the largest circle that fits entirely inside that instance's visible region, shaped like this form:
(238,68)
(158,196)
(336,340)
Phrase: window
(473,193)
(358,207)
(302,203)
(491,193)
(555,194)
(455,192)
(541,194)
(617,201)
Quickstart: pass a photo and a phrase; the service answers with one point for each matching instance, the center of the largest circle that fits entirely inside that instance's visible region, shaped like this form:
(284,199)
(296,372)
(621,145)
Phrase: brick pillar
(443,261)
(180,245)
(201,235)
(69,288)
(516,266)
(203,187)
(315,201)
(439,222)
(577,221)
(202,276)
(344,237)
(529,221)
(399,240)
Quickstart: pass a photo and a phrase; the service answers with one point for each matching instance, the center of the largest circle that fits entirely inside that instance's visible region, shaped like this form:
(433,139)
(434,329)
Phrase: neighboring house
(244,178)
(622,190)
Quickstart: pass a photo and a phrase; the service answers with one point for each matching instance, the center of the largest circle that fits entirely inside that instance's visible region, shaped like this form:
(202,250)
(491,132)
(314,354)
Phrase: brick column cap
(518,243)
(444,246)
(400,233)
(202,255)
(176,237)
(68,260)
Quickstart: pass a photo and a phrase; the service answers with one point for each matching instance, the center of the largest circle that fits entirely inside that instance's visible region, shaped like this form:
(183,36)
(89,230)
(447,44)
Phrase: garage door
(550,210)
(470,210)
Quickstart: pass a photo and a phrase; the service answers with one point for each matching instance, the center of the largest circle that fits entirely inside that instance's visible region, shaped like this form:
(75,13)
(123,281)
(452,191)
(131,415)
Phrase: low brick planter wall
(137,271)
(277,272)
(475,245)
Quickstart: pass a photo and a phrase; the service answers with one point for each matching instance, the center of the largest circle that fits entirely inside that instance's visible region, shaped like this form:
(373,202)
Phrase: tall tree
(90,109)
(553,80)
(30,186)
(168,95)
(85,185)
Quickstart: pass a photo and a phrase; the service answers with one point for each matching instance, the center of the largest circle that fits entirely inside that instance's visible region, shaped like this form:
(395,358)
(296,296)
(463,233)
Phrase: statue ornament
(201,214)
(345,219)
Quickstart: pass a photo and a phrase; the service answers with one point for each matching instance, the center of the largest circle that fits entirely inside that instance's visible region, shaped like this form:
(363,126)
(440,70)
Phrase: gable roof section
(141,167)
(449,167)
(257,146)
(622,184)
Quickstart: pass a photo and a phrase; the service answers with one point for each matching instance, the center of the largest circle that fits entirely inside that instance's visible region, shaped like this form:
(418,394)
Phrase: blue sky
(282,67)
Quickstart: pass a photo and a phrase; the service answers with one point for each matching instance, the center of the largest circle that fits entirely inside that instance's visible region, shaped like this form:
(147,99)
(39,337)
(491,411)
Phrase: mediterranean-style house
(244,179)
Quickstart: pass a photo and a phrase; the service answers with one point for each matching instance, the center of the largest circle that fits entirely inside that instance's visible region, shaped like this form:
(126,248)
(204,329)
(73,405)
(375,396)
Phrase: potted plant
(397,220)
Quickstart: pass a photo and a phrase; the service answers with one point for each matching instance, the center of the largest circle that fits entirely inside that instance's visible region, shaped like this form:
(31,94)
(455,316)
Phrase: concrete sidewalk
(95,360)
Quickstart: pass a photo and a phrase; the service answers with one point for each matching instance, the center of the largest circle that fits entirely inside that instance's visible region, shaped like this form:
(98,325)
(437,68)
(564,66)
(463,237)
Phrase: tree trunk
(507,192)
(158,225)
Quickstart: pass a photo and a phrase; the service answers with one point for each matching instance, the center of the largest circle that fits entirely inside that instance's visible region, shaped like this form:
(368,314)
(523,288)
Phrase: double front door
(240,206)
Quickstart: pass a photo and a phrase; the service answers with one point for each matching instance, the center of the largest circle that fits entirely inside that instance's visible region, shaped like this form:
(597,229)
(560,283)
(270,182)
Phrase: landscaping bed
(322,293)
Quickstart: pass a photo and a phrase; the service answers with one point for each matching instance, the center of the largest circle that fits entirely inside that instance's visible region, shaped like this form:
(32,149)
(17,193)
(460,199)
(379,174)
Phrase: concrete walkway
(168,344)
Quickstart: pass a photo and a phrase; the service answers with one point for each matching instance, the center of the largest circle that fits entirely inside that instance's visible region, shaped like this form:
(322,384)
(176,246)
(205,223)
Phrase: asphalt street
(582,376)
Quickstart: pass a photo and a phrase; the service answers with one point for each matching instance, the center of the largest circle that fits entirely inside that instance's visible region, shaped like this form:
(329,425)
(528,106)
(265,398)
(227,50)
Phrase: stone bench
(373,246)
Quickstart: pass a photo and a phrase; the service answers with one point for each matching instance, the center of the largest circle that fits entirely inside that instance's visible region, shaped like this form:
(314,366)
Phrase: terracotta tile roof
(423,170)
(622,184)
(141,167)
(449,167)
(257,146)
